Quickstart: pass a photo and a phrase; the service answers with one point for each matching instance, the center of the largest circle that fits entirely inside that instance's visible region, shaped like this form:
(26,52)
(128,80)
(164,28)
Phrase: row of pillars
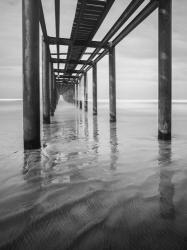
(165,75)
(31,85)
(112,88)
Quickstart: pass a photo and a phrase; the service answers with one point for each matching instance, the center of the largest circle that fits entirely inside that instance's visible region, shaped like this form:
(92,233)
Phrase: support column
(80,95)
(75,94)
(77,97)
(56,96)
(165,69)
(53,94)
(95,89)
(112,84)
(31,84)
(45,83)
(85,92)
(51,89)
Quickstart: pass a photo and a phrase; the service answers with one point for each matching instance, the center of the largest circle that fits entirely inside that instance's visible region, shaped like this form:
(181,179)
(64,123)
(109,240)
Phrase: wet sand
(94,185)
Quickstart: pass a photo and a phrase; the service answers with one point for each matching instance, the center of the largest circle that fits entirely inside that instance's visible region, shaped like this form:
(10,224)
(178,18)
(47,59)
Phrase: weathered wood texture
(165,69)
(95,89)
(85,92)
(112,84)
(85,27)
(51,88)
(31,88)
(77,96)
(45,83)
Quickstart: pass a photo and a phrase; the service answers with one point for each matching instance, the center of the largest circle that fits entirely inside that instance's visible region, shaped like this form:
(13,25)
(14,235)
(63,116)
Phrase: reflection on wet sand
(166,187)
(91,188)
(86,126)
(114,146)
(95,135)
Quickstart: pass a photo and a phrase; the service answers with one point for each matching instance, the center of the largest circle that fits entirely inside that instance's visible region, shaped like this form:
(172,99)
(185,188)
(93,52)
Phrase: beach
(94,184)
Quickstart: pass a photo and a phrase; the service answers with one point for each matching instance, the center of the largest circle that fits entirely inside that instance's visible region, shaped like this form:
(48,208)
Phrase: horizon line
(107,100)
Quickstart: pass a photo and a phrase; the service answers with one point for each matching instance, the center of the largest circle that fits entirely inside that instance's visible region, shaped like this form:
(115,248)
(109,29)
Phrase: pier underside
(89,16)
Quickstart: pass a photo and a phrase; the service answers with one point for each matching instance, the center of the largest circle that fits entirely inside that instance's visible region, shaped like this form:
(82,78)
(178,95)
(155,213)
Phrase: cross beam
(67,77)
(69,71)
(131,8)
(69,42)
(146,11)
(84,62)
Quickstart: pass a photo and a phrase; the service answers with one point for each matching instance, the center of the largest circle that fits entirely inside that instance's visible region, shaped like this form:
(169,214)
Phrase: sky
(136,55)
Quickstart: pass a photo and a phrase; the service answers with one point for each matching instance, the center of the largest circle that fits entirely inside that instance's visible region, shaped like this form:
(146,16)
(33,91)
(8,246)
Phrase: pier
(88,18)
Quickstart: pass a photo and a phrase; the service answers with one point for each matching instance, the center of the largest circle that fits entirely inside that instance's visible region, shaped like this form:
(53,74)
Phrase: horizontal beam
(43,24)
(105,52)
(42,21)
(67,77)
(84,62)
(55,54)
(69,71)
(64,54)
(149,8)
(57,17)
(57,22)
(68,42)
(66,80)
(70,80)
(128,12)
(94,24)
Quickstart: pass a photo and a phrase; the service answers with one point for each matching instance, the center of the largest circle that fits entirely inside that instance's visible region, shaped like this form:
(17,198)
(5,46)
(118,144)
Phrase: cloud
(136,55)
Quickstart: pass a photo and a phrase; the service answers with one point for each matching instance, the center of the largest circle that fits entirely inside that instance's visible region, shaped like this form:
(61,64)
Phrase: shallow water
(94,185)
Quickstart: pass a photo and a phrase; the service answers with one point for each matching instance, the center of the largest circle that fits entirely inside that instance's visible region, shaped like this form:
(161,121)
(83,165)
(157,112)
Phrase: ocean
(94,185)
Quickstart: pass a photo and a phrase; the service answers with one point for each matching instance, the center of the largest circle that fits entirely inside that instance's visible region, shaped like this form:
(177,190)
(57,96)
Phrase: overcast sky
(136,55)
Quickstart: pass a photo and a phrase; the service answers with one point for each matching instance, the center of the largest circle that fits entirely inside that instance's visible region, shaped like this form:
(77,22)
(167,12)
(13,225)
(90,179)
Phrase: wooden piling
(57,96)
(51,89)
(80,95)
(31,88)
(112,84)
(45,83)
(75,94)
(53,94)
(77,101)
(165,69)
(85,92)
(95,89)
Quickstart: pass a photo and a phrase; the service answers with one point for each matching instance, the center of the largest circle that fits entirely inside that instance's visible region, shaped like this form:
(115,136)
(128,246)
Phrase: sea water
(94,184)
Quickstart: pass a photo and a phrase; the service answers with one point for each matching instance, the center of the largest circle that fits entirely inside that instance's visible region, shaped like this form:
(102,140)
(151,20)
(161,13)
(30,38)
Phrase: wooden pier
(88,19)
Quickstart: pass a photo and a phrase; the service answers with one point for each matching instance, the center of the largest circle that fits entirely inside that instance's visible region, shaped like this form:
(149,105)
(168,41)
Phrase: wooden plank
(94,21)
